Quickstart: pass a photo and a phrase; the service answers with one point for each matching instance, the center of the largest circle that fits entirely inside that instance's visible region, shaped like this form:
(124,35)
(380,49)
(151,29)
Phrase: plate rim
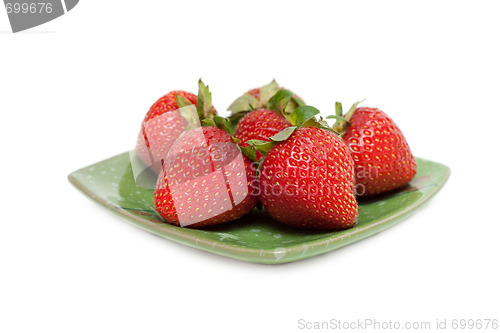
(253,254)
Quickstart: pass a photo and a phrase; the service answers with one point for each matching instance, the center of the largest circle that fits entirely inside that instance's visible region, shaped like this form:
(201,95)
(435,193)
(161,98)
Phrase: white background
(74,91)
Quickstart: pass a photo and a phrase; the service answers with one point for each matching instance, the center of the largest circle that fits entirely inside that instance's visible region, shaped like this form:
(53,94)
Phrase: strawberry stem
(343,122)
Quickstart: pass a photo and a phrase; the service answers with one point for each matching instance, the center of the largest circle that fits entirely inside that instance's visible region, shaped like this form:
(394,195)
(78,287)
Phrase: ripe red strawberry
(382,158)
(307,179)
(205,180)
(259,125)
(163,124)
(264,123)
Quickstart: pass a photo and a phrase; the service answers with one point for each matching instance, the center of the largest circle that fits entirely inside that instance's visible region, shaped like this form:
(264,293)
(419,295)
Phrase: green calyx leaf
(322,122)
(261,146)
(285,107)
(302,114)
(279,101)
(244,103)
(247,102)
(182,101)
(268,91)
(352,109)
(250,152)
(294,103)
(283,135)
(264,147)
(310,119)
(297,100)
(224,124)
(332,116)
(235,118)
(220,122)
(188,111)
(313,122)
(296,114)
(208,122)
(204,101)
(284,102)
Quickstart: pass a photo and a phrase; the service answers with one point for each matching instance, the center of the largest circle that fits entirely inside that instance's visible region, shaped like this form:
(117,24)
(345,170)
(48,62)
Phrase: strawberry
(382,158)
(205,180)
(260,124)
(164,123)
(264,123)
(307,176)
(258,98)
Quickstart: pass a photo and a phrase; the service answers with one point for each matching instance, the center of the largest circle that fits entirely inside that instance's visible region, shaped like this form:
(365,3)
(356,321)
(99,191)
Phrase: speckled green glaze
(256,237)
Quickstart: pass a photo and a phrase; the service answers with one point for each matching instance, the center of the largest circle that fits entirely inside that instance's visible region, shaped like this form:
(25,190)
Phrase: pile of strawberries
(272,149)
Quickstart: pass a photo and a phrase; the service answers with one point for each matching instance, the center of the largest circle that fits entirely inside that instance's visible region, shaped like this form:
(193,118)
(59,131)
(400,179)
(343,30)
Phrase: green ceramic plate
(256,237)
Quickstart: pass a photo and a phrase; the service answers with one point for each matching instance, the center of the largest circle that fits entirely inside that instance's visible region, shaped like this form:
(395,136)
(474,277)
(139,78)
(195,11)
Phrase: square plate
(255,237)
